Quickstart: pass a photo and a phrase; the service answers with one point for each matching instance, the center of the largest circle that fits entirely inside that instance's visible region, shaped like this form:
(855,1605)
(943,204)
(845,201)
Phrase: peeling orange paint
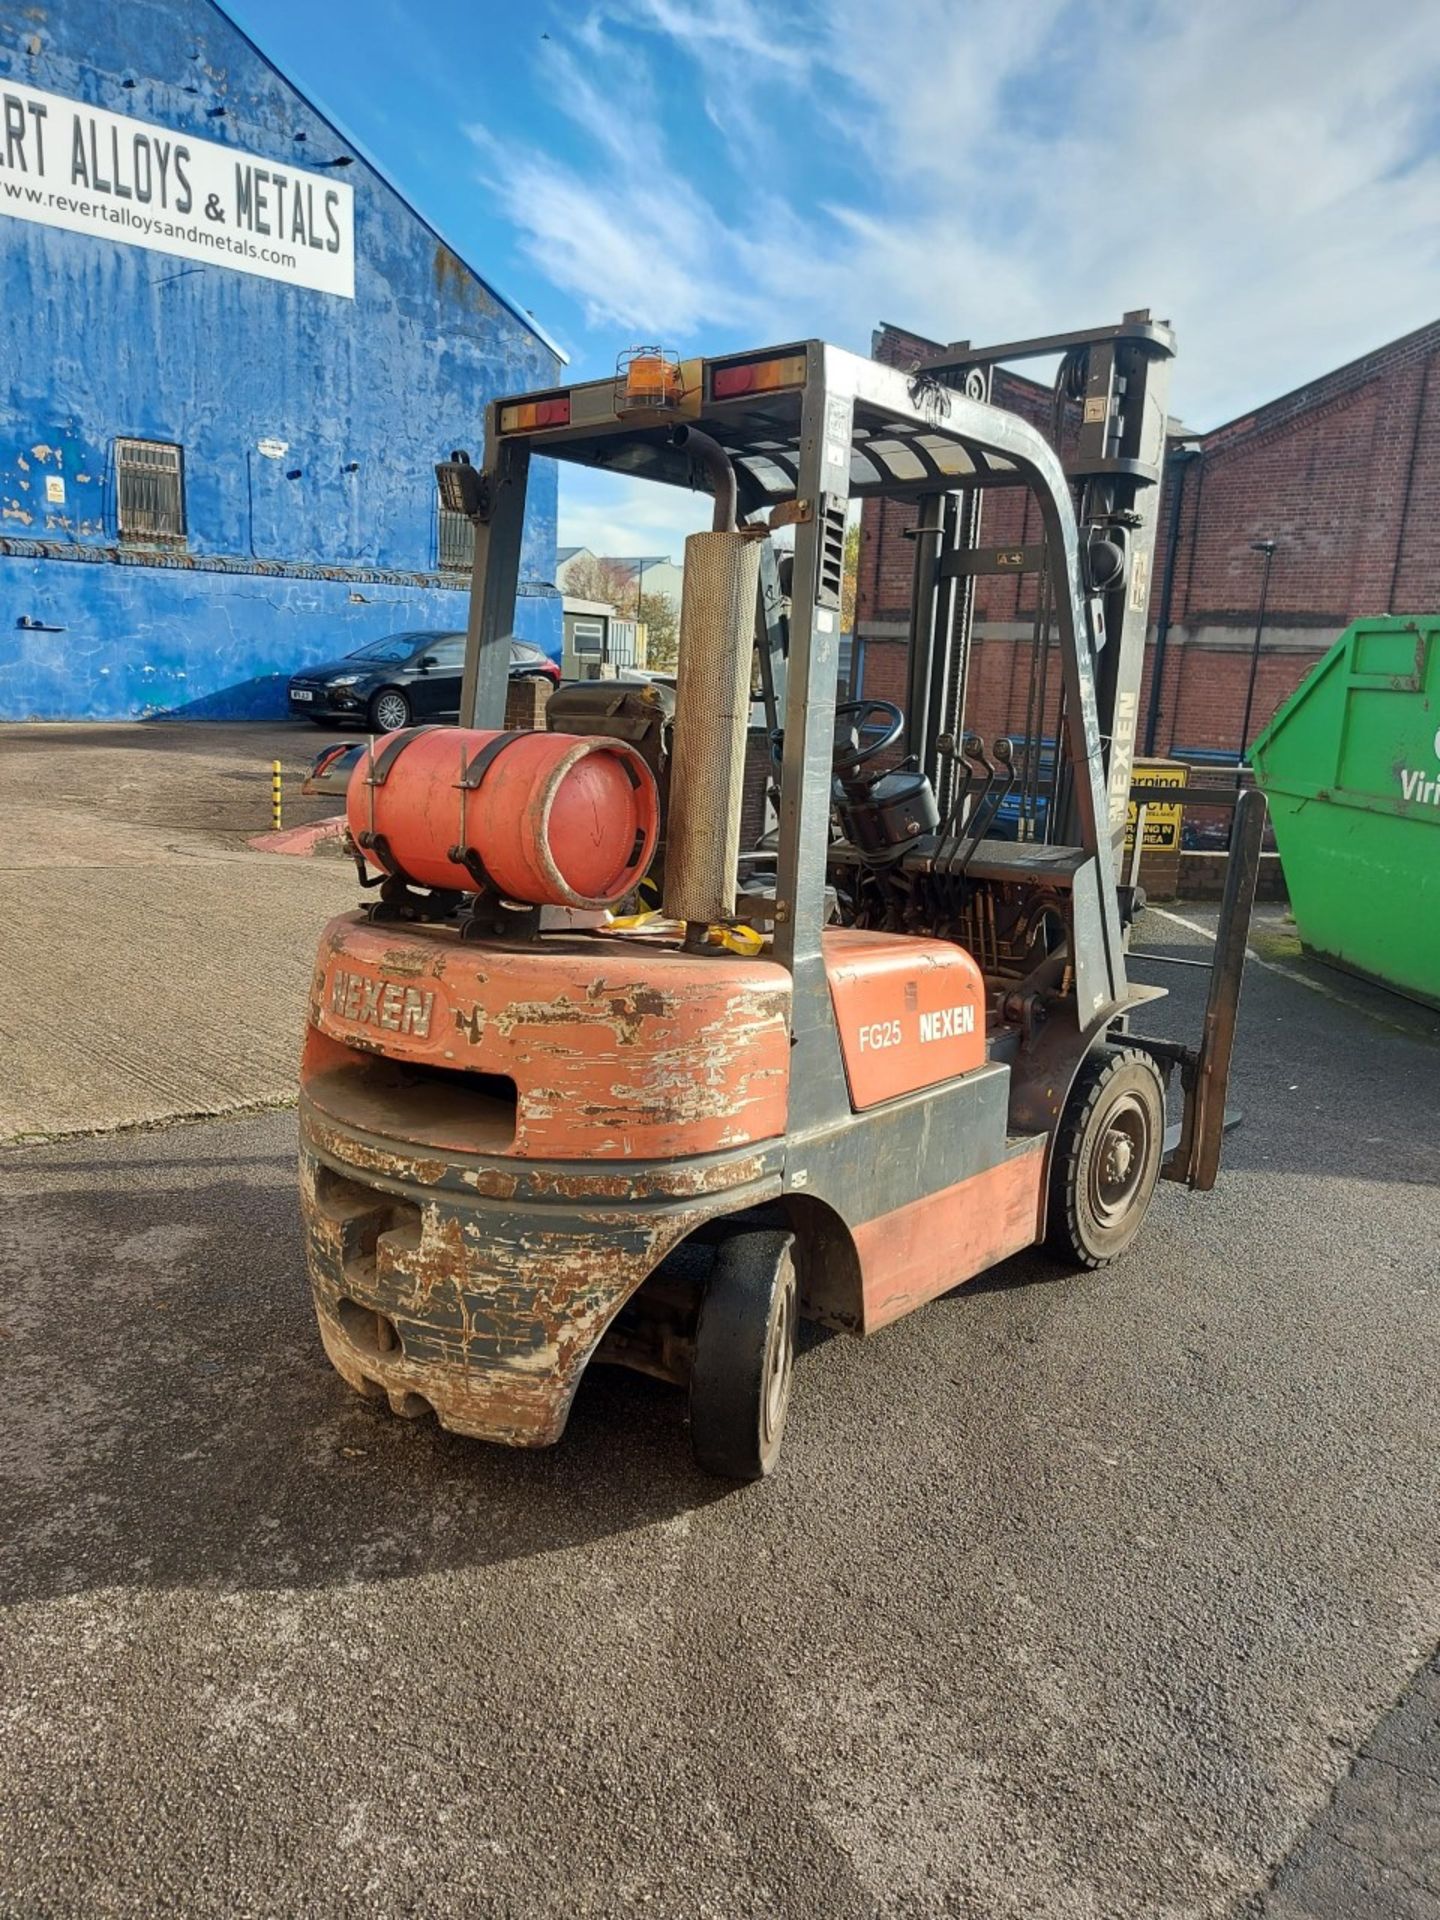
(695,1060)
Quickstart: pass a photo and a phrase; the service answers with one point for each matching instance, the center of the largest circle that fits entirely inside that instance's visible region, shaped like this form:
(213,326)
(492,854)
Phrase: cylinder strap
(380,765)
(462,853)
(471,776)
(379,846)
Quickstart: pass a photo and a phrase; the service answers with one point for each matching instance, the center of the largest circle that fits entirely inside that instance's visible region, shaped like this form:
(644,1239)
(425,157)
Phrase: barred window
(457,541)
(150,490)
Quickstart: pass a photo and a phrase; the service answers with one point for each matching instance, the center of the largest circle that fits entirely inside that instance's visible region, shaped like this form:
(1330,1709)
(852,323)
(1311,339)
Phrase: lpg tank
(550,819)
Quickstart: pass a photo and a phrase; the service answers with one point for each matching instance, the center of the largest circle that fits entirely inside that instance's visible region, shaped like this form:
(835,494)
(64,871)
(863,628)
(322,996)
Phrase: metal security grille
(457,541)
(150,490)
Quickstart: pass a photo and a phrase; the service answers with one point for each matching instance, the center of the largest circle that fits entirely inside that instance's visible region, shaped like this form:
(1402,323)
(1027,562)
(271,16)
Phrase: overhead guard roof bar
(892,452)
(1137,327)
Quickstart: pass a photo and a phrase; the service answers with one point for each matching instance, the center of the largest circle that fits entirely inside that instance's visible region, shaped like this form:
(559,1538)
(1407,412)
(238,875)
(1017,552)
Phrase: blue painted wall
(100,338)
(201,646)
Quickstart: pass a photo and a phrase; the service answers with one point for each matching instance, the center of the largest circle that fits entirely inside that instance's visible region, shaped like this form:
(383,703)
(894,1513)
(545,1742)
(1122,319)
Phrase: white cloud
(740,27)
(611,515)
(1257,173)
(1263,173)
(634,269)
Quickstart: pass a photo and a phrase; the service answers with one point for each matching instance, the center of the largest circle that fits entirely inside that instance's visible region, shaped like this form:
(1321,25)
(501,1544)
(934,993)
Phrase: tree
(850,576)
(592,578)
(662,626)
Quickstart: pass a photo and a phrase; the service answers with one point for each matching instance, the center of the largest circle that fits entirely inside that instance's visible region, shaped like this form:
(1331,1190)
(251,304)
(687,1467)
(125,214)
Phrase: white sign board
(68,165)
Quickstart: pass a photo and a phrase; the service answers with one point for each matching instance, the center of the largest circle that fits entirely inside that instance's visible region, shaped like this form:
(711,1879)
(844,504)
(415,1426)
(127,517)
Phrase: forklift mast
(1116,379)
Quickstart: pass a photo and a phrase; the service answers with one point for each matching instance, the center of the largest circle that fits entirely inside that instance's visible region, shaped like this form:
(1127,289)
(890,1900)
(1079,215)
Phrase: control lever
(945,745)
(984,816)
(973,747)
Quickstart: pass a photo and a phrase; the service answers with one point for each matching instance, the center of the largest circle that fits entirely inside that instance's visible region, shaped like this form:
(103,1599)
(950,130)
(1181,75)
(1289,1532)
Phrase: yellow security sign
(1162,818)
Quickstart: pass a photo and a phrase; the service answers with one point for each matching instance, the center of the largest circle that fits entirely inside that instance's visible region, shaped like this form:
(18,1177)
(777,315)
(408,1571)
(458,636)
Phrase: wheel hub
(1119,1153)
(1119,1160)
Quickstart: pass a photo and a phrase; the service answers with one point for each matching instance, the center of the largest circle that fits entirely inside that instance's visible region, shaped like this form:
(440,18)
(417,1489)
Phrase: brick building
(1343,475)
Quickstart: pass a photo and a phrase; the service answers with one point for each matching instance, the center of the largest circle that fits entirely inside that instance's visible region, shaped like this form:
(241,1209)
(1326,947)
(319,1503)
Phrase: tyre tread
(731,1340)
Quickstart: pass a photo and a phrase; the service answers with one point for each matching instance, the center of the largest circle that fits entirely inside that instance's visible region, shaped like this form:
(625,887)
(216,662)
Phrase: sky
(714,175)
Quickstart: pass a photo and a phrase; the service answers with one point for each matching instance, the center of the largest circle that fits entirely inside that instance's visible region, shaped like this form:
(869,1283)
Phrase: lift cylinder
(548,818)
(712,713)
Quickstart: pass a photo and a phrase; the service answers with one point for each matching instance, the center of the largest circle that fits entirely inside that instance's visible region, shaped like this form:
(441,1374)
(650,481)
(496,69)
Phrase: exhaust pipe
(714,463)
(712,702)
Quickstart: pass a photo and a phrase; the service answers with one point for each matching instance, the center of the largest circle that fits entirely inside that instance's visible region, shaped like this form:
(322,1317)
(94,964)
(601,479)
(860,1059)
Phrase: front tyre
(744,1356)
(389,711)
(1107,1157)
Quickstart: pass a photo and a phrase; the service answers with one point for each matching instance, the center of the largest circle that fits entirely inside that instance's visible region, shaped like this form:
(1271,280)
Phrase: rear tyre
(1107,1158)
(744,1356)
(389,711)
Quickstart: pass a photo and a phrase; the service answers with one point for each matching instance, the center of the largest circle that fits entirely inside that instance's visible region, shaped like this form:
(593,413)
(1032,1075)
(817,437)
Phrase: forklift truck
(835,1074)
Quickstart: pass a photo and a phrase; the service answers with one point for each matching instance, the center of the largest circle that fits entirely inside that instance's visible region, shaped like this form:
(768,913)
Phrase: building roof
(228,15)
(562,554)
(1421,342)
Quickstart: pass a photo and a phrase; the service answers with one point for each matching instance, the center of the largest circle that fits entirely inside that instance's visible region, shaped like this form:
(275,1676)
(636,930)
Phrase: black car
(405,677)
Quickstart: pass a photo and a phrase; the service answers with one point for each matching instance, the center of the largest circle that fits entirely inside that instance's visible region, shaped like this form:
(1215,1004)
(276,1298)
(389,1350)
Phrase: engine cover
(911,1011)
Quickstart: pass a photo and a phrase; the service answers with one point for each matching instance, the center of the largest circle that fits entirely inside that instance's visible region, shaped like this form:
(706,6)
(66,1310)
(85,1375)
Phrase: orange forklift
(588,1078)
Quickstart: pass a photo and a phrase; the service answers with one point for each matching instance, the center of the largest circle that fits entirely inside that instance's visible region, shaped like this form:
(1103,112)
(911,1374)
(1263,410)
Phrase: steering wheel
(889,727)
(848,754)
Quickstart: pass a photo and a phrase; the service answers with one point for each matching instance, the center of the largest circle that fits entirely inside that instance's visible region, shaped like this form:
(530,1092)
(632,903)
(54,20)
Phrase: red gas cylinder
(552,819)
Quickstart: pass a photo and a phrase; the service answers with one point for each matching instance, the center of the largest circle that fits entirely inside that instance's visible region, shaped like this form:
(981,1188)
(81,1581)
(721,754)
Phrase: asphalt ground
(1103,1598)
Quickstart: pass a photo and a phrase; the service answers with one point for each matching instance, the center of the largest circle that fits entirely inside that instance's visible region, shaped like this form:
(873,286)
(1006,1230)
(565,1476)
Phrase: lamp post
(639,602)
(1267,547)
(1177,466)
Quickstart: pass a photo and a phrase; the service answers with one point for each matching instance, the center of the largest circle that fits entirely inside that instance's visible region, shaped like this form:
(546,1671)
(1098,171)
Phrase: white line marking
(1286,973)
(1193,925)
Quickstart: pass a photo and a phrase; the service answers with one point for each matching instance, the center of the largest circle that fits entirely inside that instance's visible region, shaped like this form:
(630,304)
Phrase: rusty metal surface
(483,1310)
(691,1059)
(500,1144)
(1205,1075)
(500,1178)
(24,548)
